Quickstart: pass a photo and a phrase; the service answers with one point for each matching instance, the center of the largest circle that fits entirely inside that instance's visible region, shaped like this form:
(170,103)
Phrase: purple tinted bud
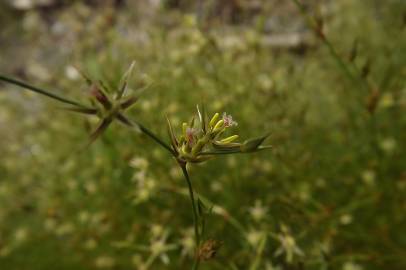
(191,135)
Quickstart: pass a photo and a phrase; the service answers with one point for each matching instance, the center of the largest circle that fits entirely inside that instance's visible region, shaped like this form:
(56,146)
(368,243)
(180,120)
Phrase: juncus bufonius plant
(199,140)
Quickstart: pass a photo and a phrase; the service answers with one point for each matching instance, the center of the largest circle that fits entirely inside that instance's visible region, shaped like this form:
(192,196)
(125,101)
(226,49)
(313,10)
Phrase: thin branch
(71,102)
(338,59)
(155,138)
(41,91)
(195,216)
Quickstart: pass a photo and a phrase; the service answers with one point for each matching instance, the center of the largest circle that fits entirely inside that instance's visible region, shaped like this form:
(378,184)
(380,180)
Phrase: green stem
(195,216)
(40,91)
(71,102)
(154,137)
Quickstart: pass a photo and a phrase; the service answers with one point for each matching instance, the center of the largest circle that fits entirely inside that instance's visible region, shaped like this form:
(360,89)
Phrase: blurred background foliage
(330,195)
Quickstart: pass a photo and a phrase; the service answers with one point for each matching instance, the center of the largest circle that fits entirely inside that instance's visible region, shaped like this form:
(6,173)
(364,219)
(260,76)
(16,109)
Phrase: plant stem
(40,91)
(195,216)
(338,59)
(154,137)
(71,102)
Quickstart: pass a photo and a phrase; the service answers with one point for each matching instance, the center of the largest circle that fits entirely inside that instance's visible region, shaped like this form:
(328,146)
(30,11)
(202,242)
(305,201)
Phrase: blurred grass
(335,179)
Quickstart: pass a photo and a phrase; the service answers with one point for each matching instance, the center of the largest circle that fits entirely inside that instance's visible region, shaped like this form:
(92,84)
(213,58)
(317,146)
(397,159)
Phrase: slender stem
(71,102)
(195,217)
(40,91)
(340,62)
(155,138)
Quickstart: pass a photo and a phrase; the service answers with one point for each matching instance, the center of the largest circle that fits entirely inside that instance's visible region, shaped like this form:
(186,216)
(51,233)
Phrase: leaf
(87,79)
(201,207)
(124,120)
(124,80)
(172,136)
(202,117)
(192,122)
(129,102)
(252,145)
(41,91)
(104,124)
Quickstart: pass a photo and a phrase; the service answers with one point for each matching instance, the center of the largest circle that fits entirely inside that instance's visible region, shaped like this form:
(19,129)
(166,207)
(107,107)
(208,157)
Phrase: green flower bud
(198,147)
(184,127)
(229,139)
(218,126)
(214,119)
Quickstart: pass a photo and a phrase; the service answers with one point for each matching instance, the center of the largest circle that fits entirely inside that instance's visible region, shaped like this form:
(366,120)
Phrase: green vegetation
(326,80)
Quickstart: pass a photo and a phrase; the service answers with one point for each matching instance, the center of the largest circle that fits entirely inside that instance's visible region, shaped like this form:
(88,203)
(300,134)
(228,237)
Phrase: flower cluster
(205,139)
(109,105)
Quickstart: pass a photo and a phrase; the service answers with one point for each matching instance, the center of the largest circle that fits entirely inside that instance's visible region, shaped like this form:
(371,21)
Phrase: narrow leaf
(88,111)
(253,144)
(172,136)
(40,91)
(129,102)
(104,124)
(124,120)
(124,80)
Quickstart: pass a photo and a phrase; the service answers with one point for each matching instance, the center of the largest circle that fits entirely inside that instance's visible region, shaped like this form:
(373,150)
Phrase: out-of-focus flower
(352,266)
(216,186)
(254,237)
(21,235)
(368,176)
(387,100)
(265,82)
(90,244)
(139,163)
(258,211)
(72,73)
(208,249)
(159,247)
(187,242)
(104,262)
(388,145)
(288,246)
(345,219)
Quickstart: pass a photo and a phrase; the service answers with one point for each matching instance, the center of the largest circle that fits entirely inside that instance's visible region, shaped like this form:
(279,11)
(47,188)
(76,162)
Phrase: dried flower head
(209,249)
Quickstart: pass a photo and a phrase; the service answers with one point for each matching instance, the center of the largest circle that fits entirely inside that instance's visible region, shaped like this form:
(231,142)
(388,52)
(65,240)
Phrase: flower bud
(218,126)
(229,139)
(184,127)
(214,119)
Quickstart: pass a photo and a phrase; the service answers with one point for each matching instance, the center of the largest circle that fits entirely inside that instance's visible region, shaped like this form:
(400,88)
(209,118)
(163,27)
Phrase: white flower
(72,73)
(139,163)
(187,242)
(254,237)
(258,212)
(228,120)
(288,246)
